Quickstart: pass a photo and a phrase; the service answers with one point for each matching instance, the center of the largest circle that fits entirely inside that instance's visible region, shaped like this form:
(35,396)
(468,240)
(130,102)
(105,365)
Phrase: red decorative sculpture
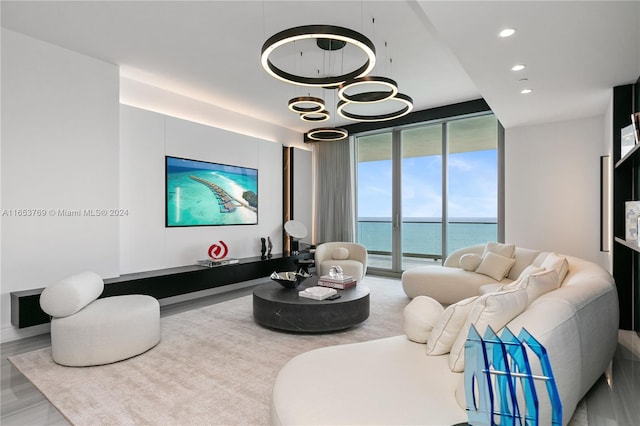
(218,251)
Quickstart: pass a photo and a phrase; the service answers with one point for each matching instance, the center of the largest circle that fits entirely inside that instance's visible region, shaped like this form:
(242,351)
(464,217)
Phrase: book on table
(343,279)
(317,293)
(340,284)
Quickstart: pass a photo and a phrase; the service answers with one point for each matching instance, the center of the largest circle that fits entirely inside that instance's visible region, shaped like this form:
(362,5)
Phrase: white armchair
(351,257)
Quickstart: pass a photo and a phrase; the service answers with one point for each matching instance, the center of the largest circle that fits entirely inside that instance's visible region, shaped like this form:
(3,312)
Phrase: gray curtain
(334,183)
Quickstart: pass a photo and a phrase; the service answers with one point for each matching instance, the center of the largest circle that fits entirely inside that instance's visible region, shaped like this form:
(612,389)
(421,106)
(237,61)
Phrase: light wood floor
(613,400)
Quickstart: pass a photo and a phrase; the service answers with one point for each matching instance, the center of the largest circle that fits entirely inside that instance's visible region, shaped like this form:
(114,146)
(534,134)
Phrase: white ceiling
(441,52)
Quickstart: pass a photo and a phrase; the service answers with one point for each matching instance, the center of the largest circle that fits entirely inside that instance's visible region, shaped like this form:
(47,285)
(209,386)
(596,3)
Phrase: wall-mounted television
(200,193)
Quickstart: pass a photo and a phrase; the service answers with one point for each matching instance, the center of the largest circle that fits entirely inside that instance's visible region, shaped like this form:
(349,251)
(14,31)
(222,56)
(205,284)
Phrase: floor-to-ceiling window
(426,190)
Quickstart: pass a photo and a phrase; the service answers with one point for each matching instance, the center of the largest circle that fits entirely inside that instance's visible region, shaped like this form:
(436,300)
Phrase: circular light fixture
(315,116)
(325,32)
(368,97)
(306,104)
(507,32)
(327,134)
(400,97)
(518,67)
(526,91)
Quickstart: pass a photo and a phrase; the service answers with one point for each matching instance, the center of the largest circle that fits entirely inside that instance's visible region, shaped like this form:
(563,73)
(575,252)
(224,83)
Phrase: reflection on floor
(611,401)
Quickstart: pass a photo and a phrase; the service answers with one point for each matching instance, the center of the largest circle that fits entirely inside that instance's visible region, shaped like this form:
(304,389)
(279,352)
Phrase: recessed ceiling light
(526,91)
(518,67)
(507,32)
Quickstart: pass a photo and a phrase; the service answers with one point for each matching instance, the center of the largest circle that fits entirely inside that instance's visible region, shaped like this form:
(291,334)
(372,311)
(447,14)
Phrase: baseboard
(12,333)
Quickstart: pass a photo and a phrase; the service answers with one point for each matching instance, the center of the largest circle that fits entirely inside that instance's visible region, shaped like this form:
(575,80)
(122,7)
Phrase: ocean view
(423,236)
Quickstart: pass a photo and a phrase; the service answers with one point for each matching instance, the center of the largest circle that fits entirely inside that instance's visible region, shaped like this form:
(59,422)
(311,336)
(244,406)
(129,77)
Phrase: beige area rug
(214,365)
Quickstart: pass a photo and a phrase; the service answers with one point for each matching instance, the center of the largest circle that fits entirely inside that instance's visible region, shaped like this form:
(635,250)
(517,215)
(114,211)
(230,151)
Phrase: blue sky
(472,186)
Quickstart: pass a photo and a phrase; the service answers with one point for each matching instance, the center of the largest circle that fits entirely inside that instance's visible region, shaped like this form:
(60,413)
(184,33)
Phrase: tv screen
(199,193)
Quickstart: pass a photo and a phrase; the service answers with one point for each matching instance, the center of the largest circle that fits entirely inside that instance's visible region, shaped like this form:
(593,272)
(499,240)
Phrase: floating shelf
(629,154)
(633,245)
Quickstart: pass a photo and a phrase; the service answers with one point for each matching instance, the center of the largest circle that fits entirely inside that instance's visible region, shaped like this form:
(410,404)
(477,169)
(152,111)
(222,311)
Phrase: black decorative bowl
(289,279)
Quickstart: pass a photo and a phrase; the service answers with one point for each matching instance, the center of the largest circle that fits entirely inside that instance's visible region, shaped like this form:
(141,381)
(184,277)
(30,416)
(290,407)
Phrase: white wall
(141,95)
(552,186)
(146,137)
(59,152)
(63,149)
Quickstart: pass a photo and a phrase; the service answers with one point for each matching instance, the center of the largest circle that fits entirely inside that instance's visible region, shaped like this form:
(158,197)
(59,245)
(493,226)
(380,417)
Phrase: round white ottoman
(107,330)
(86,330)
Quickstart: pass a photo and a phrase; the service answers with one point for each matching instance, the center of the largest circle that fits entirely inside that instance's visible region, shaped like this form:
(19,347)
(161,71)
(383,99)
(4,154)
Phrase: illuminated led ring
(368,97)
(380,117)
(315,116)
(327,134)
(294,104)
(330,32)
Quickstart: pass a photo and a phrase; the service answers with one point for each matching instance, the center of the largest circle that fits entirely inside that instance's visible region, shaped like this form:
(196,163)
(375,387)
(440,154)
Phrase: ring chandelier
(312,109)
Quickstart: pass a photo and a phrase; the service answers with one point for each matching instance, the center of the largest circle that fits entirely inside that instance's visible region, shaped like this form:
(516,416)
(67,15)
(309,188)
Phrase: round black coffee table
(283,309)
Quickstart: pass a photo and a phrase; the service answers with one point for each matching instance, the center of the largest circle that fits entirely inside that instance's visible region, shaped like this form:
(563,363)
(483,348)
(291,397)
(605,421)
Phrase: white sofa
(394,381)
(450,283)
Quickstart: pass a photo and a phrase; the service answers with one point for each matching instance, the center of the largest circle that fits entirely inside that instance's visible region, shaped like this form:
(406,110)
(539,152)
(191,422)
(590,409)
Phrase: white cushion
(490,288)
(530,270)
(538,284)
(506,250)
(419,317)
(495,266)
(559,263)
(470,261)
(69,295)
(446,329)
(340,253)
(493,309)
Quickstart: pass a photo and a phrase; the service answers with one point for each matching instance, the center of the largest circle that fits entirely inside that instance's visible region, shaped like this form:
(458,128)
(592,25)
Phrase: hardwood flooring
(613,400)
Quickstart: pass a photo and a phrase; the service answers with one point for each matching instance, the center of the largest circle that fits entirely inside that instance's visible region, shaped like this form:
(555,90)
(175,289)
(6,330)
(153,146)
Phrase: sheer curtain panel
(334,180)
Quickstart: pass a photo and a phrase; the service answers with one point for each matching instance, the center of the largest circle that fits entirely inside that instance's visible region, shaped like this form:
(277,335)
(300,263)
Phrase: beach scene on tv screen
(201,193)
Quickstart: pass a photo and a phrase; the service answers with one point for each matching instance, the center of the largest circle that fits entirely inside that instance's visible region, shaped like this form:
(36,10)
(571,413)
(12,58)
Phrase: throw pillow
(470,261)
(538,284)
(559,263)
(69,295)
(419,316)
(448,325)
(493,309)
(495,266)
(530,270)
(340,253)
(506,250)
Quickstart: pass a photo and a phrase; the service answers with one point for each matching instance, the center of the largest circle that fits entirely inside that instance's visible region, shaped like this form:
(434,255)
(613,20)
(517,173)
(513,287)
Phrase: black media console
(25,305)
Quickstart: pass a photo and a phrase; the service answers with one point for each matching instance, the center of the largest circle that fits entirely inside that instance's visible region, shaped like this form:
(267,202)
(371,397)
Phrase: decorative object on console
(269,247)
(632,213)
(296,231)
(263,250)
(218,251)
(289,279)
(210,263)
